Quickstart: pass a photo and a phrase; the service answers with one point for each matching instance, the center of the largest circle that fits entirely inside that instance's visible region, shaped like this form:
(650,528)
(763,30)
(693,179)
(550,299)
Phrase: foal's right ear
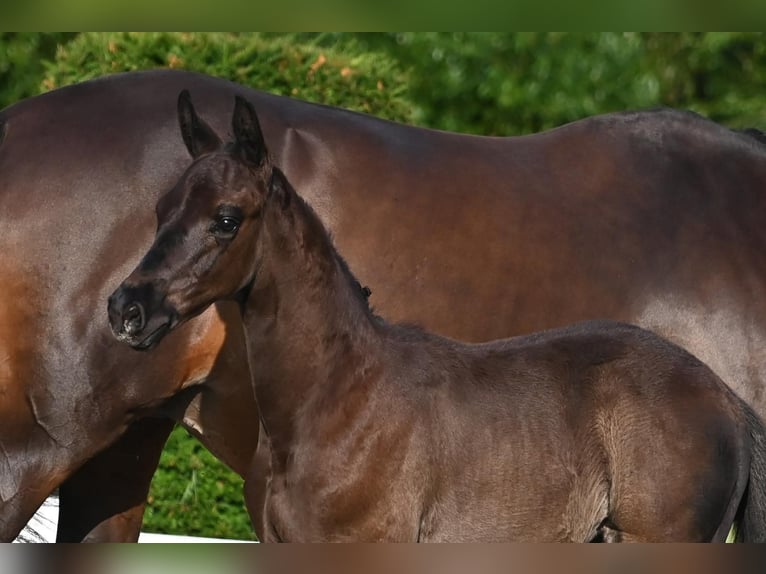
(279,187)
(247,133)
(198,136)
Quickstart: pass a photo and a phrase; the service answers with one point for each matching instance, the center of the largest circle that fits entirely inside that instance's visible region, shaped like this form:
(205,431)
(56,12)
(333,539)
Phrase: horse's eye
(225,226)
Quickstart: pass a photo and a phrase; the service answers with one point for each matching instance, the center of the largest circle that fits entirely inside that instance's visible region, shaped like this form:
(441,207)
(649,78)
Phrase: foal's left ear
(247,132)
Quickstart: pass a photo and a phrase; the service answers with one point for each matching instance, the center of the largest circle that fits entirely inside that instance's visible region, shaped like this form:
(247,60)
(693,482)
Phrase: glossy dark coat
(382,432)
(655,218)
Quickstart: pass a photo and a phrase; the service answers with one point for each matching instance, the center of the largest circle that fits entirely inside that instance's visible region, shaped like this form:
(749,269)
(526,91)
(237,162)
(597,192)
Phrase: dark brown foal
(600,430)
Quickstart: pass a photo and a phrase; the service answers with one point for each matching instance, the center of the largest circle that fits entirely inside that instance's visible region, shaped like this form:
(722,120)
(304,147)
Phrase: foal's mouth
(147,342)
(152,339)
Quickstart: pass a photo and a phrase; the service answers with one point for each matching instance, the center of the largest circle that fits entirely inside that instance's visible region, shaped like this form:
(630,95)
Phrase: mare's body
(386,432)
(654,218)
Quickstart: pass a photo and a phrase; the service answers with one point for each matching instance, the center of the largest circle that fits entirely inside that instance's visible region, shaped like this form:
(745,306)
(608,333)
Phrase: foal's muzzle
(139,316)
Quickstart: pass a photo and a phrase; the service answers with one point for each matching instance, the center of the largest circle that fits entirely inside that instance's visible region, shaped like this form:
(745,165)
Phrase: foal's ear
(198,136)
(279,187)
(247,132)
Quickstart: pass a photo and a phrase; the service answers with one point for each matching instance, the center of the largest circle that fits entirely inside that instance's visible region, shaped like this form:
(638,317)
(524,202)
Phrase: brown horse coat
(654,218)
(386,432)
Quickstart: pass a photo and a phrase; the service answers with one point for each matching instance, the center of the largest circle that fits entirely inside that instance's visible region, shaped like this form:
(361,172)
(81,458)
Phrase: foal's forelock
(209,179)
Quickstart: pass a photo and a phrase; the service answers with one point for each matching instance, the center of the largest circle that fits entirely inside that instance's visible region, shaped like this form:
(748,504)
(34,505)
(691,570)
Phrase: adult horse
(654,218)
(381,432)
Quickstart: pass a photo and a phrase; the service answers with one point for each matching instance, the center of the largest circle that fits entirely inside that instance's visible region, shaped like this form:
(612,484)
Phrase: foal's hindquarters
(595,432)
(599,431)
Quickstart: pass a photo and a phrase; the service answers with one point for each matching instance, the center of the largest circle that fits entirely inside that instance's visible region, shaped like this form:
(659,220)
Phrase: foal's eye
(225,226)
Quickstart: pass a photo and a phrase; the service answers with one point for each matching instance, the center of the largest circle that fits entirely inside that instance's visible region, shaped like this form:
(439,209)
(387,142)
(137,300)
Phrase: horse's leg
(256,484)
(104,500)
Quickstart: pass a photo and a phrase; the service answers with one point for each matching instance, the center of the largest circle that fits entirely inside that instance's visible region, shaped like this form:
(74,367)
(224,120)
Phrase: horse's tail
(752,524)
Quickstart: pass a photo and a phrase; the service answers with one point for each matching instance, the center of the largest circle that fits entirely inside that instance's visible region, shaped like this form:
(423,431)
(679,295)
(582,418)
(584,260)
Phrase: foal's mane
(362,293)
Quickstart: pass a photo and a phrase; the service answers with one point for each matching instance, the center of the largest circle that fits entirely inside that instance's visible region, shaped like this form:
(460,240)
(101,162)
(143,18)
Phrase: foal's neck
(308,325)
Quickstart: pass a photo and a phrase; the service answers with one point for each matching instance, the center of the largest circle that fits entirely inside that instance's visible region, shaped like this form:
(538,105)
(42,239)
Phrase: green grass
(194,494)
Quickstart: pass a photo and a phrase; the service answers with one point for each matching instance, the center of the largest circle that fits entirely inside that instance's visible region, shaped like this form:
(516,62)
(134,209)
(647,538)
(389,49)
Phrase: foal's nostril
(133,319)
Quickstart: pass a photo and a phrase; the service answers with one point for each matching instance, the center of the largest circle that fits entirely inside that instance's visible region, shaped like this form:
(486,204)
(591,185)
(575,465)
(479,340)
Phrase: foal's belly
(292,516)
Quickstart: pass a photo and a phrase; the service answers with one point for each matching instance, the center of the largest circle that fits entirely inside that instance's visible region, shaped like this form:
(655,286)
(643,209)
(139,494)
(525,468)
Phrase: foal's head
(208,223)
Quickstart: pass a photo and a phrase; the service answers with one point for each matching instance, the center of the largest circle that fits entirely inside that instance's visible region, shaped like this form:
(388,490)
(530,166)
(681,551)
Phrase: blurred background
(483,83)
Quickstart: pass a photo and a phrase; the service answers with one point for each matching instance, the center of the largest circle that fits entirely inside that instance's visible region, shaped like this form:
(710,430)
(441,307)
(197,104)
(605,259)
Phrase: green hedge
(489,83)
(514,83)
(361,81)
(22,58)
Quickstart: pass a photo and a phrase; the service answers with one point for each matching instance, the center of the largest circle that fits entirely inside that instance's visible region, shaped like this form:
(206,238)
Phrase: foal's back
(593,430)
